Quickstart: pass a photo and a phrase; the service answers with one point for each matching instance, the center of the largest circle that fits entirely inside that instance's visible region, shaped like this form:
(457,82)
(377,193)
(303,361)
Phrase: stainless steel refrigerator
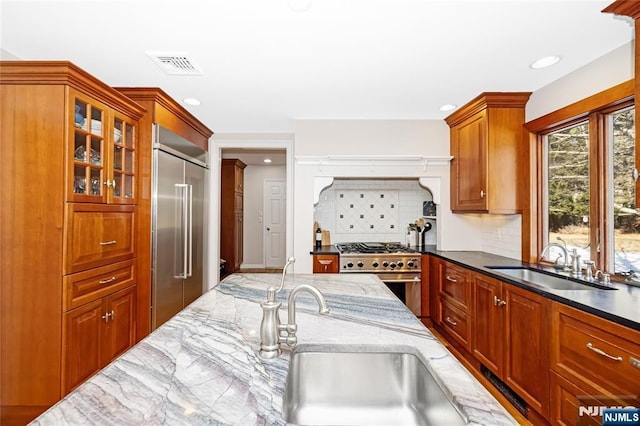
(178,224)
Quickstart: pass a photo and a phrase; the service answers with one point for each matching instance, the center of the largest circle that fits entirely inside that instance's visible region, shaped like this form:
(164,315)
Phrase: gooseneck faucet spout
(566,266)
(292,327)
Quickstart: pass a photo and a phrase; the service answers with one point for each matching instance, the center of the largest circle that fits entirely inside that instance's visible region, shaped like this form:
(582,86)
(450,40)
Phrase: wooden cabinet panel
(456,323)
(455,286)
(82,335)
(83,287)
(586,348)
(98,235)
(527,334)
(326,264)
(119,335)
(95,334)
(470,163)
(434,288)
(425,299)
(566,400)
(488,323)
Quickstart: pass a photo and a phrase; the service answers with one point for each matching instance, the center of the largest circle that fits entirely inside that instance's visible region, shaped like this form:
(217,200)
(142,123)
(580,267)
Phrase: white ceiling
(266,64)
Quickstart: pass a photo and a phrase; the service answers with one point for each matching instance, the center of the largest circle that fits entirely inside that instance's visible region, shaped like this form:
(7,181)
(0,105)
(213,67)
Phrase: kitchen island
(202,367)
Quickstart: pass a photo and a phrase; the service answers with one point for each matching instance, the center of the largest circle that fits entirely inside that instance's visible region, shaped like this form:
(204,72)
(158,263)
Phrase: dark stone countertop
(325,250)
(621,305)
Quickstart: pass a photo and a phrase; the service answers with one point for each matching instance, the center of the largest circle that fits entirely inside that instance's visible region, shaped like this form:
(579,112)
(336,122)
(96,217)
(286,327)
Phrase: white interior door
(274,223)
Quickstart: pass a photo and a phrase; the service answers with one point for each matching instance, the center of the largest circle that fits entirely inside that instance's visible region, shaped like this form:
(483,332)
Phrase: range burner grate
(373,248)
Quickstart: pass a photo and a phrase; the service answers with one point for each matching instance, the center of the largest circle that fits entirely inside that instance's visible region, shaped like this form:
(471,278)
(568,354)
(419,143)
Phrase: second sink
(334,384)
(542,279)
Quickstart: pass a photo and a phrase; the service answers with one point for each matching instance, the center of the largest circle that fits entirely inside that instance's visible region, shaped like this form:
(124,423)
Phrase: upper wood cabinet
(102,152)
(232,211)
(486,144)
(68,148)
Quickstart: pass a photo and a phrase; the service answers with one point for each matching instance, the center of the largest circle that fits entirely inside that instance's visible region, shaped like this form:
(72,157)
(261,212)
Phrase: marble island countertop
(202,367)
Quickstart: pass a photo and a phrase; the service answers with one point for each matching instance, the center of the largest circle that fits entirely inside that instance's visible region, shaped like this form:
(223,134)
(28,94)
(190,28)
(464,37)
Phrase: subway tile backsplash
(372,210)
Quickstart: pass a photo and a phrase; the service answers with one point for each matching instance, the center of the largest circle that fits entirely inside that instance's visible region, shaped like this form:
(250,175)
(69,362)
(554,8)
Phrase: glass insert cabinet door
(123,164)
(103,145)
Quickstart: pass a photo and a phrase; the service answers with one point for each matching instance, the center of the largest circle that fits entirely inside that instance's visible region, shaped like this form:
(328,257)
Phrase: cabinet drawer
(326,264)
(586,347)
(83,287)
(98,235)
(454,283)
(455,323)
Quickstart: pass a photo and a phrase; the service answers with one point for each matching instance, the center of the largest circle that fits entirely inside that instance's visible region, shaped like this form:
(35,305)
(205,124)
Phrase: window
(623,214)
(587,190)
(567,189)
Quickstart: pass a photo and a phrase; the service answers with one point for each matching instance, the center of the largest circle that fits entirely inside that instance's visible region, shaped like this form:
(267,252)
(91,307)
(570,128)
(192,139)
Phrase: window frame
(594,109)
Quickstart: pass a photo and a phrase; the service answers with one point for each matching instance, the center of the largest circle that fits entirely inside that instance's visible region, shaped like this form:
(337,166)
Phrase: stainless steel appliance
(396,265)
(178,224)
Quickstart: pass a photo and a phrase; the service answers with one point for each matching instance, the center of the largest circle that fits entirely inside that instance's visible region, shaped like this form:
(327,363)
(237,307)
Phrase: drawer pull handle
(498,302)
(603,353)
(450,321)
(453,280)
(634,362)
(107,243)
(108,280)
(109,315)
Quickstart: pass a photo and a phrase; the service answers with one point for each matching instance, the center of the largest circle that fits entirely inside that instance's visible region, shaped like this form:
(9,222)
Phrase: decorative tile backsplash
(372,209)
(366,210)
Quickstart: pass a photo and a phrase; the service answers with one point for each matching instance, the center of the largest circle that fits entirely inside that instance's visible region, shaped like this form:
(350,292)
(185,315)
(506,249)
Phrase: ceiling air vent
(175,63)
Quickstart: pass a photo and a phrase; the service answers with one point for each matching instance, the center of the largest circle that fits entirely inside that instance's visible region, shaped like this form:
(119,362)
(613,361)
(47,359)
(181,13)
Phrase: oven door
(406,286)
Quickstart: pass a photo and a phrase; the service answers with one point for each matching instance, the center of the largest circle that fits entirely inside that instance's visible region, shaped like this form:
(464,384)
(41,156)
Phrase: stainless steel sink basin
(337,385)
(542,279)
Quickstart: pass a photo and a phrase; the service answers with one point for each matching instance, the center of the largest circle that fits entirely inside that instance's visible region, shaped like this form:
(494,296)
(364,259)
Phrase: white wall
(607,71)
(221,141)
(253,241)
(386,138)
(491,233)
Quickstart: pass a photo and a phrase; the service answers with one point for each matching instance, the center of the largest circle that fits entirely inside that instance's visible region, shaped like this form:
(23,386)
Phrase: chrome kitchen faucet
(272,332)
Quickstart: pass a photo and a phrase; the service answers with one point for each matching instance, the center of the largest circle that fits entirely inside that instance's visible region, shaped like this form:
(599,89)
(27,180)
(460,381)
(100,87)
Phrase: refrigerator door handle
(185,229)
(190,241)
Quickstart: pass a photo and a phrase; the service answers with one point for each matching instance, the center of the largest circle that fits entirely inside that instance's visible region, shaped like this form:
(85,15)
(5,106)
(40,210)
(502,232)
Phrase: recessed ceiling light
(448,107)
(299,5)
(267,160)
(191,101)
(545,62)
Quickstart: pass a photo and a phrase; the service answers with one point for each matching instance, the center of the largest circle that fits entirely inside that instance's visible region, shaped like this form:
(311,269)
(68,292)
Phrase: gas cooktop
(372,248)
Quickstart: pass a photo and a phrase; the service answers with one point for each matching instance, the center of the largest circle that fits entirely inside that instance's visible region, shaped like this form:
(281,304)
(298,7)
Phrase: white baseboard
(252,266)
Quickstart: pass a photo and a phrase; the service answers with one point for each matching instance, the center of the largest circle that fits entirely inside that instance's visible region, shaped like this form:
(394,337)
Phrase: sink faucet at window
(564,267)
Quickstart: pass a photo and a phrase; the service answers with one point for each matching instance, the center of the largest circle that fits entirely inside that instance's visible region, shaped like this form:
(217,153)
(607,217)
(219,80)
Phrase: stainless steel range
(377,257)
(396,265)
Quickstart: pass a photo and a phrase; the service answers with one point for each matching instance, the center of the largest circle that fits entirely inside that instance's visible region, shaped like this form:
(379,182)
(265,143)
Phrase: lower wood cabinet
(96,333)
(510,338)
(594,362)
(527,334)
(326,263)
(556,358)
(488,323)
